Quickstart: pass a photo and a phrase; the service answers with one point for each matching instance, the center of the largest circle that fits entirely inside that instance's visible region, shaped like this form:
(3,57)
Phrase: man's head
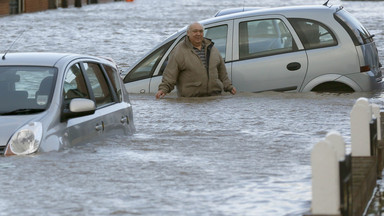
(195,33)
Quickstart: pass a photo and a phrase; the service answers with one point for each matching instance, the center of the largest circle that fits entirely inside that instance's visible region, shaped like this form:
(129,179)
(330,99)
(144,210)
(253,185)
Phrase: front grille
(2,150)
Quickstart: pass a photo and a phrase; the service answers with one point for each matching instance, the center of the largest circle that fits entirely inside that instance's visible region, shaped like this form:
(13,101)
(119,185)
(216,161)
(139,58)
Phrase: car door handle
(124,120)
(100,127)
(294,66)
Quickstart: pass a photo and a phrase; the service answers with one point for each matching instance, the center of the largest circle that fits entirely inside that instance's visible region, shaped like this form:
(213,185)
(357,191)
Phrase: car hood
(8,126)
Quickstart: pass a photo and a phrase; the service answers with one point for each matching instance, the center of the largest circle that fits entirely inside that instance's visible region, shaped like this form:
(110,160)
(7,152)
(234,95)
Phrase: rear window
(355,29)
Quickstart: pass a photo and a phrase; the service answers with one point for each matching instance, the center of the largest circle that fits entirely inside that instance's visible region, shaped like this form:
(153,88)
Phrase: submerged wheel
(336,87)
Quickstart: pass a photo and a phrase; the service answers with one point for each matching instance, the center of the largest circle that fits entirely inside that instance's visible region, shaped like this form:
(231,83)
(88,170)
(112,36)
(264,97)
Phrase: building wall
(104,1)
(41,5)
(35,5)
(4,7)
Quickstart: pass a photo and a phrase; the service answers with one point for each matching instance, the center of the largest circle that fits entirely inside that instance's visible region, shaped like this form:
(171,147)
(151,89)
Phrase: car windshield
(25,90)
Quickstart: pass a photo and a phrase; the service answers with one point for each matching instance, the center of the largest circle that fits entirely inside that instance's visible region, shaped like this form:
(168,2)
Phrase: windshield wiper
(22,111)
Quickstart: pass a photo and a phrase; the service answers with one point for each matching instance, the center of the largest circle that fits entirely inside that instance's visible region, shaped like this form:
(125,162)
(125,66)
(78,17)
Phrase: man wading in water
(196,67)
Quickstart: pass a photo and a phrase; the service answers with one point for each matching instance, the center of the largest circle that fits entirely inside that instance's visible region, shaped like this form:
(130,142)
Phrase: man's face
(196,34)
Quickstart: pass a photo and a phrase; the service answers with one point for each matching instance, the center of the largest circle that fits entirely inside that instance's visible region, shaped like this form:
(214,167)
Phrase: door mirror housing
(78,107)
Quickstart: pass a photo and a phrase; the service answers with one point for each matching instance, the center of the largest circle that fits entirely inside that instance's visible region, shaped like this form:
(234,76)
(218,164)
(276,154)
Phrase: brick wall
(103,1)
(41,5)
(4,7)
(67,3)
(35,5)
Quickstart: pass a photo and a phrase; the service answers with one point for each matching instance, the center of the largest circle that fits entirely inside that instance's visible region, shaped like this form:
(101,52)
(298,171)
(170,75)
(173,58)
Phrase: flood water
(247,154)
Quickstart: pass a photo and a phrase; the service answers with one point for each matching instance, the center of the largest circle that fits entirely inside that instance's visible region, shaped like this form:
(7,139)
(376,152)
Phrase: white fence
(332,168)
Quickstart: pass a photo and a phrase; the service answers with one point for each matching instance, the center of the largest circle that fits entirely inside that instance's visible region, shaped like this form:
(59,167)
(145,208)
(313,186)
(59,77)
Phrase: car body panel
(368,55)
(154,83)
(331,77)
(84,129)
(271,73)
(320,57)
(267,73)
(9,124)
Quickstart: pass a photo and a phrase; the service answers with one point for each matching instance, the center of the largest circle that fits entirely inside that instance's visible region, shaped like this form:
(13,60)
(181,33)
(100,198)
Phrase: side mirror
(78,107)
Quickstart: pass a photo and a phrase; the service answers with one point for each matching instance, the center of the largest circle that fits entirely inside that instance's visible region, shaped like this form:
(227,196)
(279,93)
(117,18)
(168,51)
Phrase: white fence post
(376,112)
(325,158)
(338,144)
(361,115)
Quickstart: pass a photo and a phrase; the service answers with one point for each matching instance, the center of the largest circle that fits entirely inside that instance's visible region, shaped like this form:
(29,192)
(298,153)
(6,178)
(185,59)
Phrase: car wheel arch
(333,79)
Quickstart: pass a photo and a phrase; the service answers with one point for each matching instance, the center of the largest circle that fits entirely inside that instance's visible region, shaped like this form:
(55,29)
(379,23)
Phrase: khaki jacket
(187,71)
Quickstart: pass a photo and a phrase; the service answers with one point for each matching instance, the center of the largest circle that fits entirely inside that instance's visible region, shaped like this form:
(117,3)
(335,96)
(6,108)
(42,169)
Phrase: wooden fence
(343,184)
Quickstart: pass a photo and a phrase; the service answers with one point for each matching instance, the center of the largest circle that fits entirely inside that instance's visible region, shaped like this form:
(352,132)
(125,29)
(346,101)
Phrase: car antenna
(326,3)
(12,44)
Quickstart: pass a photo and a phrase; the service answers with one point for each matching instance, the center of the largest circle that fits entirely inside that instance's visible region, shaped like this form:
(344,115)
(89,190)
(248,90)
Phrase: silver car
(50,101)
(299,49)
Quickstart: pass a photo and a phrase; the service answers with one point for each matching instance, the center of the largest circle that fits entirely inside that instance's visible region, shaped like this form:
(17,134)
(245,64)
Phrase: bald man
(195,67)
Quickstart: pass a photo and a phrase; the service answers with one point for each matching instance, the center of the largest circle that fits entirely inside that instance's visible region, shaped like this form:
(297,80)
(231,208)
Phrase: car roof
(48,59)
(288,11)
(235,10)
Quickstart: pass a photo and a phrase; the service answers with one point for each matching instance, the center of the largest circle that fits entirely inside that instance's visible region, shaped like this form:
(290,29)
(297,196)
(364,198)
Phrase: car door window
(146,67)
(74,84)
(115,80)
(164,65)
(264,37)
(218,35)
(98,84)
(313,34)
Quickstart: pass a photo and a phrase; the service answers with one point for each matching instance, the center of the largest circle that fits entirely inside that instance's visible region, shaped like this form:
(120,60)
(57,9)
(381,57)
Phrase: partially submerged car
(298,49)
(50,101)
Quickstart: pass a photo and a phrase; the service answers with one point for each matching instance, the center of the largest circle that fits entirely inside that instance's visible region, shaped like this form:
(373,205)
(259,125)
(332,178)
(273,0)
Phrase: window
(313,34)
(33,83)
(26,87)
(355,29)
(74,84)
(218,35)
(164,65)
(146,67)
(115,80)
(98,83)
(263,38)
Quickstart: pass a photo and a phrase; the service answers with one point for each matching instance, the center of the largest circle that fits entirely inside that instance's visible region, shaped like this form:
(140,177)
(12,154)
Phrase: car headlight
(26,140)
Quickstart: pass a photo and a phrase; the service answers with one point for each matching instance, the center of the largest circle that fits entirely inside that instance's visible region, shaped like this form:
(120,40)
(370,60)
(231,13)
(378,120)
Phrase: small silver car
(298,49)
(50,101)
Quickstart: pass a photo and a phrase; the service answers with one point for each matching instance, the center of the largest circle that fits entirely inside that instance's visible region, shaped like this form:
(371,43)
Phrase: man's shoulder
(181,46)
(207,40)
(210,44)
